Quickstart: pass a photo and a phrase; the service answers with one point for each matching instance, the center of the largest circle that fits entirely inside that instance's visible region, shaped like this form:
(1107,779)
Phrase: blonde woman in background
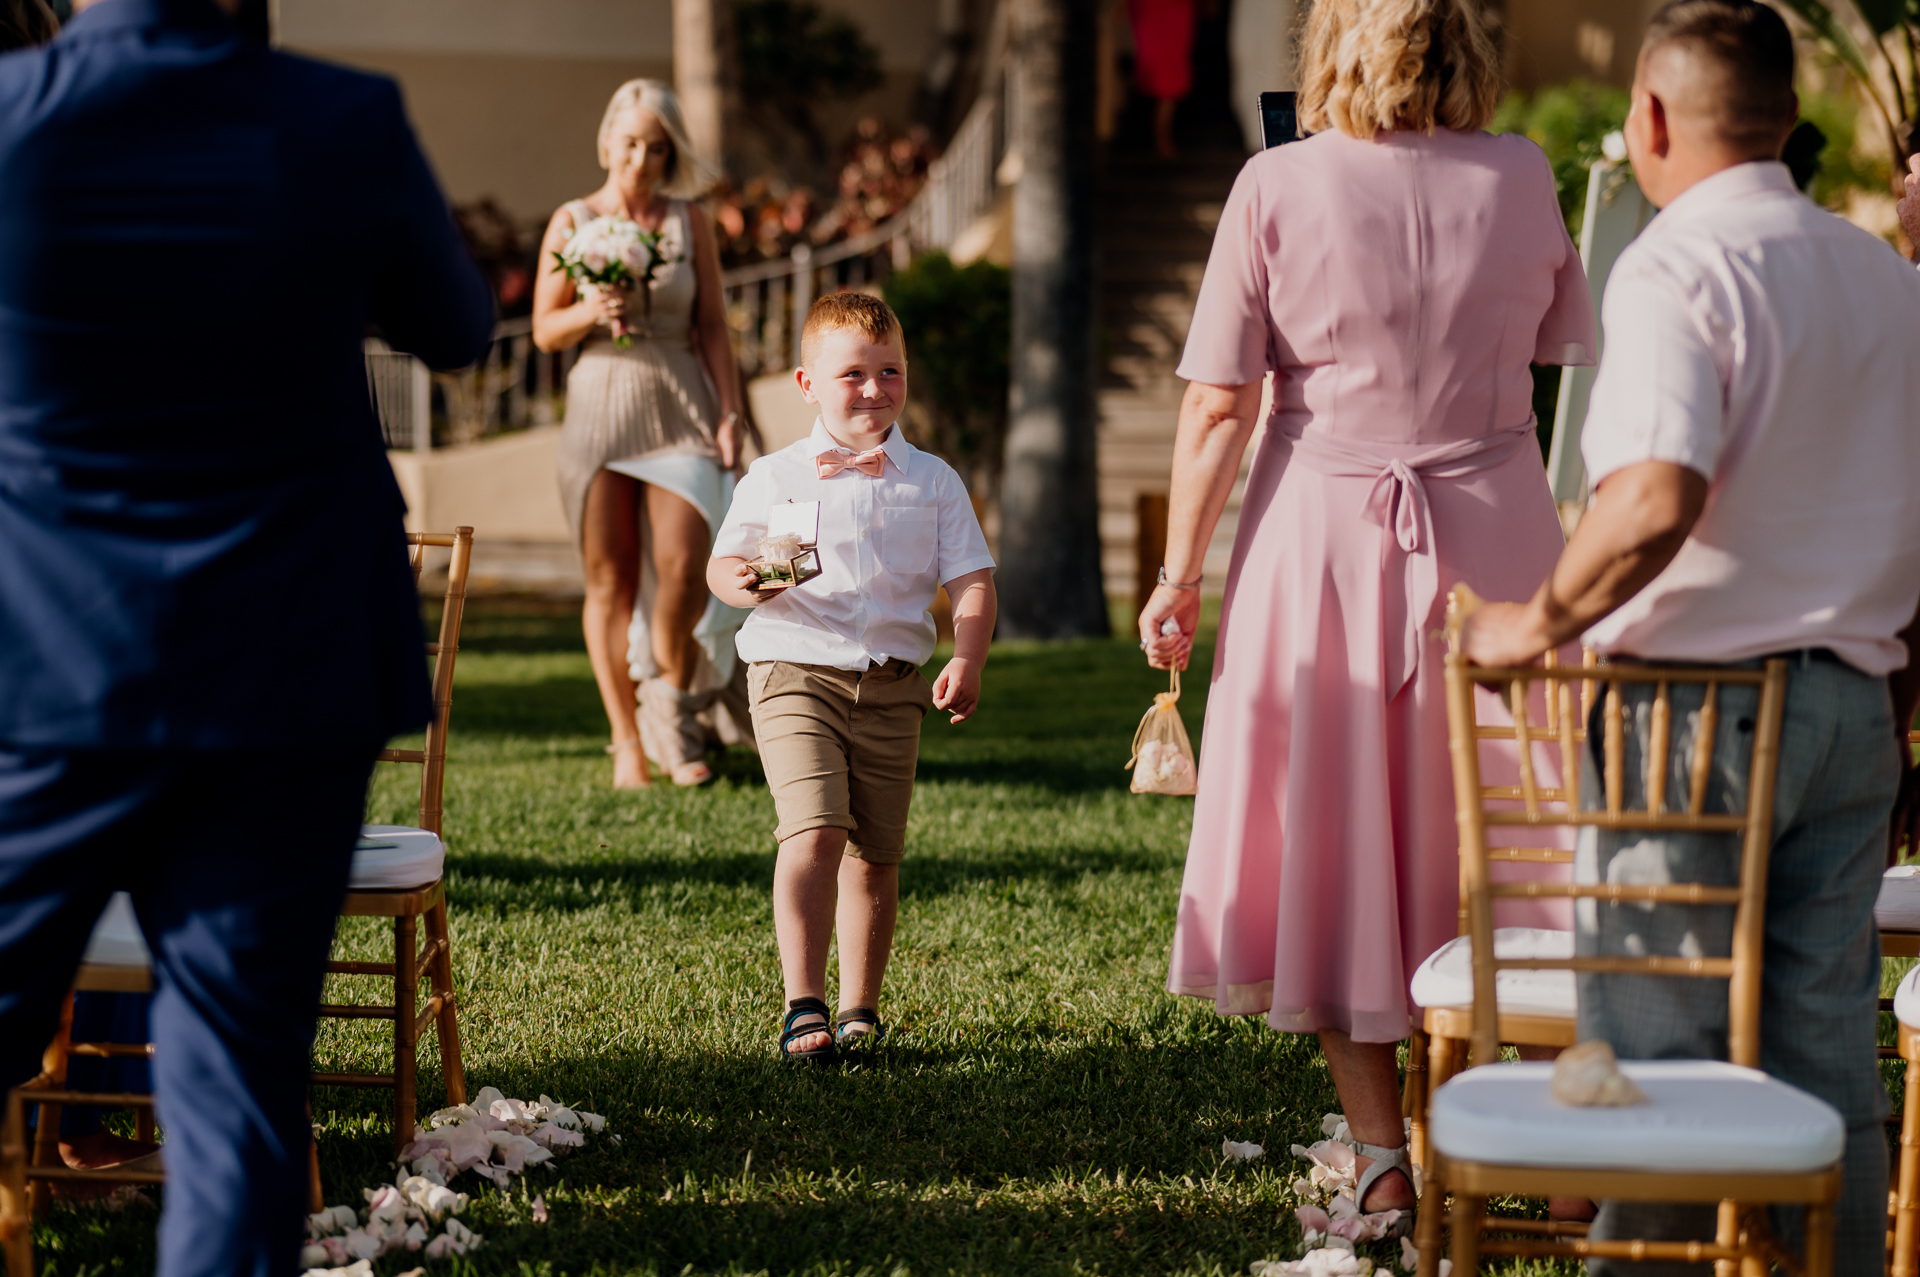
(648,452)
(1396,273)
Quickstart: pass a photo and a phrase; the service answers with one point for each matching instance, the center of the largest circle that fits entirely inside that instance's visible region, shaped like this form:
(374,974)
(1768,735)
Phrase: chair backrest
(1547,793)
(1531,805)
(433,757)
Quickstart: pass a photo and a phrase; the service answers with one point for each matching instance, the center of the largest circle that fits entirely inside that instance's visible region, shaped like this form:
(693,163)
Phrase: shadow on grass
(941,1150)
(537,882)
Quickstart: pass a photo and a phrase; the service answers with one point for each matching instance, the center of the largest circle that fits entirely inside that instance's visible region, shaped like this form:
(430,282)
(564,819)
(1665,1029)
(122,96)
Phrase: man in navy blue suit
(207,625)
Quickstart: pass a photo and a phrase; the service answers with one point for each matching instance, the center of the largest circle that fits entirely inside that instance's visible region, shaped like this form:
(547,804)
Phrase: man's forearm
(1632,531)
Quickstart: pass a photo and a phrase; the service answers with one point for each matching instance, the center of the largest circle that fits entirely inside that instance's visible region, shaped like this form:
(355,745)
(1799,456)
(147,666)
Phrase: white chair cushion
(414,859)
(1705,1115)
(1906,999)
(116,940)
(1898,908)
(1445,979)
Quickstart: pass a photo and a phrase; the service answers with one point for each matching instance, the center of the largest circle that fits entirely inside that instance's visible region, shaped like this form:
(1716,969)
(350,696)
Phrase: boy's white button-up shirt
(886,545)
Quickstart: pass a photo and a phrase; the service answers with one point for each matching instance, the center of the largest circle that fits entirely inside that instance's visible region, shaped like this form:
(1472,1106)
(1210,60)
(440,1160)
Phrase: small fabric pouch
(1162,759)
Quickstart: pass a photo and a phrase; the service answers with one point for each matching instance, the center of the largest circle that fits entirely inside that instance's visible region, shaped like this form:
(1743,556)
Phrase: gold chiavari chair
(1534,1012)
(1712,1131)
(414,906)
(115,962)
(1899,938)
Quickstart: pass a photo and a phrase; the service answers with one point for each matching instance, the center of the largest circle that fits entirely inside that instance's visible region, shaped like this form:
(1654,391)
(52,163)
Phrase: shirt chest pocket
(907,539)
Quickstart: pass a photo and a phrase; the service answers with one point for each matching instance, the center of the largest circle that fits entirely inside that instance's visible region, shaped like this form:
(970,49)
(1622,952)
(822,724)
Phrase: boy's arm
(975,605)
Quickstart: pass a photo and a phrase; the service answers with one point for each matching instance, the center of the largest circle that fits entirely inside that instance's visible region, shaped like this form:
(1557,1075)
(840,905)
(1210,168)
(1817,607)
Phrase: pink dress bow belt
(1397,501)
(871,462)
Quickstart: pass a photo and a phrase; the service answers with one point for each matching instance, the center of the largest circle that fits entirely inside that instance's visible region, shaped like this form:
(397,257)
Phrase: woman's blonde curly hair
(1369,65)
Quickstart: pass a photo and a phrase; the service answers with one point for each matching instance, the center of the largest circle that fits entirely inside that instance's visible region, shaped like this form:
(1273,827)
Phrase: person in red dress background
(1162,60)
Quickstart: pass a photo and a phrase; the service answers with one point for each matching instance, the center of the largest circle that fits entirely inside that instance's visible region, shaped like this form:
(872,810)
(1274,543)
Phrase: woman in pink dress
(1396,273)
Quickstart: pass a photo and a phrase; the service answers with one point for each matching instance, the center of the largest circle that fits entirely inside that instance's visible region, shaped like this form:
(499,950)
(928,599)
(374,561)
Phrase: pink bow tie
(872,462)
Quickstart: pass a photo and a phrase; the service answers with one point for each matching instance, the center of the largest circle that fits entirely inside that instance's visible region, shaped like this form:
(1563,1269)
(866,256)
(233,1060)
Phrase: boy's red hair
(862,312)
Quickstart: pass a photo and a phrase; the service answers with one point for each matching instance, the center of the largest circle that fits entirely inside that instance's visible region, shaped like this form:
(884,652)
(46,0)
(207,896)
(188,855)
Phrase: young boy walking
(834,660)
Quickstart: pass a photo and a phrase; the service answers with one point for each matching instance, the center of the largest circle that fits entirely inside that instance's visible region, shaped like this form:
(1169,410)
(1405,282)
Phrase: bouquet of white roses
(615,253)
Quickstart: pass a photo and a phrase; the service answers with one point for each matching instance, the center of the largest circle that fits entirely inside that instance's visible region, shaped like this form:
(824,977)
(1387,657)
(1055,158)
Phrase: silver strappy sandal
(1384,1160)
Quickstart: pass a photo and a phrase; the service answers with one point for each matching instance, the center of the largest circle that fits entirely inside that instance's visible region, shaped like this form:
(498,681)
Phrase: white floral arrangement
(494,1137)
(615,253)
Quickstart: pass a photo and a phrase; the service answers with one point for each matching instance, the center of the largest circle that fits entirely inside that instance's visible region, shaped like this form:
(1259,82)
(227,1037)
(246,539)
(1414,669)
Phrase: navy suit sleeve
(429,298)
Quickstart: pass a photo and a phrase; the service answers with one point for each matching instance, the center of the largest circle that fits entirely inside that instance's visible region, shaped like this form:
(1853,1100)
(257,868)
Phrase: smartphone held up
(1279,121)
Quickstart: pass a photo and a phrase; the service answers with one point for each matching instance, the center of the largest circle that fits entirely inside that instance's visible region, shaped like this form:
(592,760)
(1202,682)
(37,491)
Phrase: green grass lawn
(1042,1106)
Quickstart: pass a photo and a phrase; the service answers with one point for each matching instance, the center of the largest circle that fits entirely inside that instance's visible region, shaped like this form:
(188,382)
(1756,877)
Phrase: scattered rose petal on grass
(360,1268)
(539,1210)
(1313,1223)
(1239,1151)
(1326,1262)
(361,1244)
(553,1135)
(384,1204)
(334,1219)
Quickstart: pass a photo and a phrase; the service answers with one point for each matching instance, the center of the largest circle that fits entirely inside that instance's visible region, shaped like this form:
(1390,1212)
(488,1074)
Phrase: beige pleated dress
(650,411)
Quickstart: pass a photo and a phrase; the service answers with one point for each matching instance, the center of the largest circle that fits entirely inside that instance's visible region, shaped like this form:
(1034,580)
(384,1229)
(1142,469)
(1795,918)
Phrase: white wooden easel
(1616,213)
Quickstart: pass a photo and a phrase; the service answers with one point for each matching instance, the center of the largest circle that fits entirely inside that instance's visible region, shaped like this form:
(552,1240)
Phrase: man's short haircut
(1751,98)
(25,23)
(862,312)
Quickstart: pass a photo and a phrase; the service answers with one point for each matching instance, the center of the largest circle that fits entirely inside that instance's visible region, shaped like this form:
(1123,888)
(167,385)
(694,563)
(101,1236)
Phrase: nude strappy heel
(1384,1160)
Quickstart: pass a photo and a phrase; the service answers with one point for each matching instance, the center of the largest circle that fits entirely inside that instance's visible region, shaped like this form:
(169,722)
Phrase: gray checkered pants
(1839,772)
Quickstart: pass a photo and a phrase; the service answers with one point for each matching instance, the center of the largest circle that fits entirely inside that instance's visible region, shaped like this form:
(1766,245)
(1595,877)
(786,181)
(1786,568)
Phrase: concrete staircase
(1157,219)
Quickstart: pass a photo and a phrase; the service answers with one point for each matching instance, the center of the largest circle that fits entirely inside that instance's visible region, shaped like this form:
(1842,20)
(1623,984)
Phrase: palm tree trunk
(1049,580)
(699,29)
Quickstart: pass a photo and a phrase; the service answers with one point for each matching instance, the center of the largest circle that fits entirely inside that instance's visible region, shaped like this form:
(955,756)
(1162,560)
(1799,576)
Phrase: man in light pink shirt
(1754,445)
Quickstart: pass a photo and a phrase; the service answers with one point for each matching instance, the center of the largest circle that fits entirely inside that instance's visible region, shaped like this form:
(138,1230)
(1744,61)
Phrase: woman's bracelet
(1180,585)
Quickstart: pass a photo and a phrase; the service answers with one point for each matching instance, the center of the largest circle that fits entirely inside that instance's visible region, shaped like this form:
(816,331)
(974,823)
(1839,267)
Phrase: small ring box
(796,523)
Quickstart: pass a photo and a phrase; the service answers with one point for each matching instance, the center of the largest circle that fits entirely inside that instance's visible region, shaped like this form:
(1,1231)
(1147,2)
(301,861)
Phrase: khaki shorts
(839,748)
